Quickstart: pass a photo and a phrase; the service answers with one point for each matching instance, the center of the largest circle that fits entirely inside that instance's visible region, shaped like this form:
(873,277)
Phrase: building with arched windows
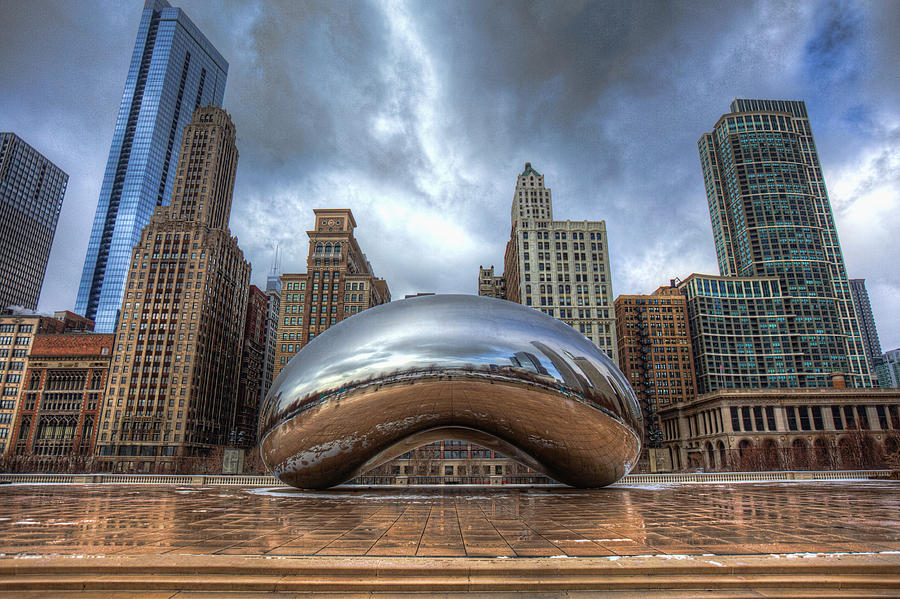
(61,399)
(783,429)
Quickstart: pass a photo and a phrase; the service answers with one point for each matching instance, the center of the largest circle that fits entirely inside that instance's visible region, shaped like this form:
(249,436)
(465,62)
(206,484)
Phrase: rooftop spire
(529,170)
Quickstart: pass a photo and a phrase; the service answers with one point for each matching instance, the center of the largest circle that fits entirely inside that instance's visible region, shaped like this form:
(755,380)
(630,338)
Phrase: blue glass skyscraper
(174,69)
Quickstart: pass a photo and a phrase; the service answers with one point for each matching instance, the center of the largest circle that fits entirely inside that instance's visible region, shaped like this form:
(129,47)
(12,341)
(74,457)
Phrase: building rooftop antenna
(276,263)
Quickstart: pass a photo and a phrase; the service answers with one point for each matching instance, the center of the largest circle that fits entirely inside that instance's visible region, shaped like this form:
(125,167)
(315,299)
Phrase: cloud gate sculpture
(470,368)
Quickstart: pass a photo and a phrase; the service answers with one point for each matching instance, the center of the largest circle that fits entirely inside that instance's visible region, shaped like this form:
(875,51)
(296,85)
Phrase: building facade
(784,429)
(772,218)
(559,267)
(61,399)
(174,70)
(452,462)
(489,284)
(174,380)
(888,370)
(273,309)
(17,333)
(252,365)
(31,196)
(655,353)
(339,282)
(867,329)
(743,336)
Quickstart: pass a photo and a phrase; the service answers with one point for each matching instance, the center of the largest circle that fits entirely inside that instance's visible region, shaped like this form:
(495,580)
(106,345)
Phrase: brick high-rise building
(559,267)
(252,366)
(867,328)
(31,195)
(771,218)
(174,70)
(61,398)
(339,282)
(17,333)
(174,382)
(655,353)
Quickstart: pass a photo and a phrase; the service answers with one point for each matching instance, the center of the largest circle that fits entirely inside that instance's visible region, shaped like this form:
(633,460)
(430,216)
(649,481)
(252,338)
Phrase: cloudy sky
(418,116)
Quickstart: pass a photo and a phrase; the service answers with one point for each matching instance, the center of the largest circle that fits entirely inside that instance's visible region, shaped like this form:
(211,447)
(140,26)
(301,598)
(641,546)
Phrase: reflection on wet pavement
(672,519)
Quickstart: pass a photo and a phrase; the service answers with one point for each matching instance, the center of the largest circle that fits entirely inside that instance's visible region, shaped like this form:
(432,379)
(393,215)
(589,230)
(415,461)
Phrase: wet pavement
(685,519)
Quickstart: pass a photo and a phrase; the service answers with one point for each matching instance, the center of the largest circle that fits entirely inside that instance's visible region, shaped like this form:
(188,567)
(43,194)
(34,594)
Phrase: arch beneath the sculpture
(454,433)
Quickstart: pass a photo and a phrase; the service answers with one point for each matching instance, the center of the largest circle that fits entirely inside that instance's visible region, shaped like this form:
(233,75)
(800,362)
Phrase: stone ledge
(783,574)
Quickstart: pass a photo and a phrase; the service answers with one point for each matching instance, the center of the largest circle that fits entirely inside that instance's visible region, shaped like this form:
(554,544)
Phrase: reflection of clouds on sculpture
(461,361)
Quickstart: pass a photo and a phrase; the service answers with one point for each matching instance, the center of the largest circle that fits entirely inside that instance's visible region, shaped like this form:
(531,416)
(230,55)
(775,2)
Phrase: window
(836,416)
(770,418)
(757,416)
(745,414)
(804,418)
(817,418)
(735,420)
(882,417)
(862,417)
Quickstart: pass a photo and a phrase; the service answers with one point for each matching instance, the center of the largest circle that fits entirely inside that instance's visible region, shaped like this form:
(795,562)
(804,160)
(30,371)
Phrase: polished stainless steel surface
(450,367)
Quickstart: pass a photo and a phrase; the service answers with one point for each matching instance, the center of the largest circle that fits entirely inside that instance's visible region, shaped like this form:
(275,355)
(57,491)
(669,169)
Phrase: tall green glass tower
(771,217)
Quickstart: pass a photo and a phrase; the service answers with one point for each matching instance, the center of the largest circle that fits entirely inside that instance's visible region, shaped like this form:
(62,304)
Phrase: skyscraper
(173,389)
(771,217)
(174,70)
(888,369)
(559,267)
(339,281)
(866,325)
(273,309)
(31,195)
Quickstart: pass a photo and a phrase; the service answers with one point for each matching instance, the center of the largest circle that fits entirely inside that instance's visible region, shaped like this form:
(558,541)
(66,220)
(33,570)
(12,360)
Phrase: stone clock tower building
(339,282)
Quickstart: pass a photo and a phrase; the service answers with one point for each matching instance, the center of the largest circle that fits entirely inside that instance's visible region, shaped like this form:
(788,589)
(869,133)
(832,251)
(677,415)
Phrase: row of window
(11,328)
(562,235)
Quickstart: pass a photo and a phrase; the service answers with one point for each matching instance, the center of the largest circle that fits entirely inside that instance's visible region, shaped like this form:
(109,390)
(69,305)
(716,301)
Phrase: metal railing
(400,480)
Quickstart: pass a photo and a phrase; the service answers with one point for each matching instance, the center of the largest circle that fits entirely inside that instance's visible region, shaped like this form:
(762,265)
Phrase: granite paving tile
(753,518)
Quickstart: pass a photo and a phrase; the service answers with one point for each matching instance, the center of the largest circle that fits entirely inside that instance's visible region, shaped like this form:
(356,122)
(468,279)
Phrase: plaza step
(852,575)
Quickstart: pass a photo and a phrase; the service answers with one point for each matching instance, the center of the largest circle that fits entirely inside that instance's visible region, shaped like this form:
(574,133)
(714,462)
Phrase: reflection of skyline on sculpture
(398,346)
(471,368)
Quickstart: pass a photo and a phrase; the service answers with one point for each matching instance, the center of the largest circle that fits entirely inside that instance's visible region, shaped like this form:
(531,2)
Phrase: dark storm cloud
(418,116)
(835,37)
